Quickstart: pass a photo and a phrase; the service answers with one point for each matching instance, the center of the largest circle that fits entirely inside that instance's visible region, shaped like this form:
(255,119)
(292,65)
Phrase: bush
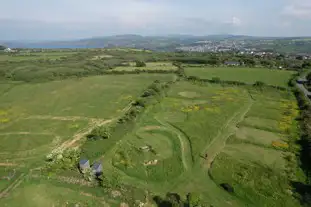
(140,63)
(100,133)
(216,80)
(259,84)
(227,187)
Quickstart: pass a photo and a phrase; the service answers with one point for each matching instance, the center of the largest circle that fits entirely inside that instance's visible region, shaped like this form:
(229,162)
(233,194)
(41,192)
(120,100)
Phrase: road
(304,90)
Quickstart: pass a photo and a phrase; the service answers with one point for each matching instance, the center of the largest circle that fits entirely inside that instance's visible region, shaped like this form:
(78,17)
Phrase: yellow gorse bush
(281,145)
(4,116)
(290,113)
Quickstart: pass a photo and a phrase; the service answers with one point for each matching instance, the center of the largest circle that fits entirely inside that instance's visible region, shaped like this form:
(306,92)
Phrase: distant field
(247,75)
(149,66)
(35,56)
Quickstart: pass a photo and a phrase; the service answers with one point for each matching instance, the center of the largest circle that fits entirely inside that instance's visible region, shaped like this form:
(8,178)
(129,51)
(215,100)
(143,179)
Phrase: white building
(8,50)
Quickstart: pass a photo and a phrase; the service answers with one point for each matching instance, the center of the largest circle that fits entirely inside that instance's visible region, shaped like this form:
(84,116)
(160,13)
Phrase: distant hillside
(2,47)
(168,43)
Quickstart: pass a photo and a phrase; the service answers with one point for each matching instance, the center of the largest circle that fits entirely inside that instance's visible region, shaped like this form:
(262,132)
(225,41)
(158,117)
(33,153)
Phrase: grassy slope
(35,118)
(247,75)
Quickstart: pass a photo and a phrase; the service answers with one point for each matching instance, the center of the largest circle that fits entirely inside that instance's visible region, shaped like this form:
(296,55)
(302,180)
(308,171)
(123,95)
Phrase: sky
(75,19)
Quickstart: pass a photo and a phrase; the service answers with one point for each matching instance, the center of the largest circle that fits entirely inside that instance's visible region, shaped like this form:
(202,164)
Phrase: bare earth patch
(189,94)
(151,128)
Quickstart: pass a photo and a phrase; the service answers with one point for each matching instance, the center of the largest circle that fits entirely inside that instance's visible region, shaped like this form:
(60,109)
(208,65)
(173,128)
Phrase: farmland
(149,66)
(25,56)
(36,118)
(242,74)
(163,133)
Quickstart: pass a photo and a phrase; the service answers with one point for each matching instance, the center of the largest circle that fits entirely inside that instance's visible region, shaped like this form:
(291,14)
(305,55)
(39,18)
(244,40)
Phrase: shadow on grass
(303,190)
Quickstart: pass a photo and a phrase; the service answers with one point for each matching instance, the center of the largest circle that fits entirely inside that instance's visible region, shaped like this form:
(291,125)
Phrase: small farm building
(97,168)
(84,164)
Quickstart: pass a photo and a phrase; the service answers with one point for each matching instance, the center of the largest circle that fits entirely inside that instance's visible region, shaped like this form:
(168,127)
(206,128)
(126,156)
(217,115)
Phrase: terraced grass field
(255,159)
(243,74)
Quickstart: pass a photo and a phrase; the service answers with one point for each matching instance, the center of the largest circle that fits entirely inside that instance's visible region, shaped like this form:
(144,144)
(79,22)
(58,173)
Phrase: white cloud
(234,21)
(298,9)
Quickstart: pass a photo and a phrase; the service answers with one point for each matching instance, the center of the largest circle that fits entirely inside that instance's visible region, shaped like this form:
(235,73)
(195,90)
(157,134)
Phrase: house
(232,63)
(302,80)
(8,50)
(84,164)
(97,168)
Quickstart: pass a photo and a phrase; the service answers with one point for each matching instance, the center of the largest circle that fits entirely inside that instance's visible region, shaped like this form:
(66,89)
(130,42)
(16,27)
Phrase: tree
(2,47)
(193,199)
(309,78)
(216,80)
(140,63)
(250,62)
(100,133)
(259,84)
(306,64)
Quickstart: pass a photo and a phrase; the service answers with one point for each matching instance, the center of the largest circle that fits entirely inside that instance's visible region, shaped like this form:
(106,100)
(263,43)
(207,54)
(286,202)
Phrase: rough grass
(35,194)
(256,184)
(255,154)
(249,162)
(247,75)
(203,116)
(149,66)
(257,136)
(7,172)
(26,142)
(165,149)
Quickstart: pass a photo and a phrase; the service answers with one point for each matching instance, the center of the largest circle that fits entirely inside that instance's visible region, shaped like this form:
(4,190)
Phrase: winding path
(184,143)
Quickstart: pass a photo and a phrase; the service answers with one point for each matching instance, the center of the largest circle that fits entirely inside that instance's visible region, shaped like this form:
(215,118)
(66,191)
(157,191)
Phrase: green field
(242,74)
(38,117)
(149,66)
(93,97)
(23,56)
(163,133)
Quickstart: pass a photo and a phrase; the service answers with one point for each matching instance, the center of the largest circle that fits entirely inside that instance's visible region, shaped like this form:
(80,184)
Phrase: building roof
(96,165)
(302,79)
(83,161)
